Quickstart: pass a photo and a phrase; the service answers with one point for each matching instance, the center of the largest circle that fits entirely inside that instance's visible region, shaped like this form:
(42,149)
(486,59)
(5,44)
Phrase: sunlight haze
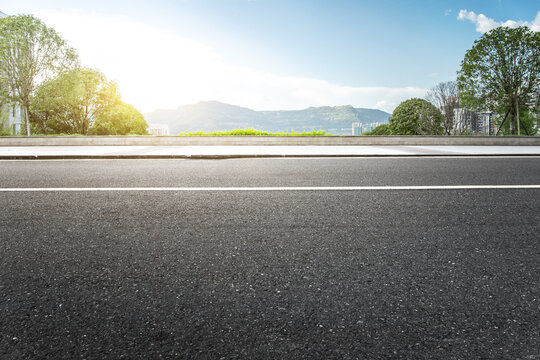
(267,55)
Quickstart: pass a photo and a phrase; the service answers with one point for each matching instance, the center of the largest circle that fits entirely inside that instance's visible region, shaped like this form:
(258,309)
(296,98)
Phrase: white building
(11,119)
(474,122)
(158,130)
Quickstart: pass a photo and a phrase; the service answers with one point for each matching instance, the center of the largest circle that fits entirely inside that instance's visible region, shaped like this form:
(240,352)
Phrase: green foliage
(383,129)
(3,121)
(30,52)
(501,72)
(120,119)
(5,97)
(71,102)
(253,132)
(82,101)
(416,117)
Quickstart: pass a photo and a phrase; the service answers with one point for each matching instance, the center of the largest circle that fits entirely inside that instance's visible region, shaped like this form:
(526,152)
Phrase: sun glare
(151,67)
(159,70)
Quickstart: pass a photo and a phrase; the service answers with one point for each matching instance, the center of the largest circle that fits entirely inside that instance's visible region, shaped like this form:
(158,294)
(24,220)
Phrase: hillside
(213,116)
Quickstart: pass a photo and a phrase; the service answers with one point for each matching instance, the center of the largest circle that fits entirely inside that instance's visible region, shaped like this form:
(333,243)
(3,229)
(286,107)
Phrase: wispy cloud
(156,69)
(485,24)
(447,12)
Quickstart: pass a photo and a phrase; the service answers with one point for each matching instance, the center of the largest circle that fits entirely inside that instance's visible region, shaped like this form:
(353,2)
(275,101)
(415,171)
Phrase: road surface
(296,266)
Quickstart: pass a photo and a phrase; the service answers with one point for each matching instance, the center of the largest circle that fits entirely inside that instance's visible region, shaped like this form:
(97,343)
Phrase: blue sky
(273,54)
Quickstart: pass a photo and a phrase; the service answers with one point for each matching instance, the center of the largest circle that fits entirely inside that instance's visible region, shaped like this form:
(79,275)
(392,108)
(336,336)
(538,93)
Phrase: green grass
(253,132)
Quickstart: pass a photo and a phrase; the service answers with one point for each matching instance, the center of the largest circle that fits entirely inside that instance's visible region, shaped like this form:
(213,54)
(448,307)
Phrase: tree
(71,102)
(121,119)
(416,117)
(445,97)
(29,53)
(501,72)
(82,101)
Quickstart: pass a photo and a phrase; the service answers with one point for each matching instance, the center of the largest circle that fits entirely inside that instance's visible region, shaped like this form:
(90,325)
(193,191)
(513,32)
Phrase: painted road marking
(276,188)
(290,158)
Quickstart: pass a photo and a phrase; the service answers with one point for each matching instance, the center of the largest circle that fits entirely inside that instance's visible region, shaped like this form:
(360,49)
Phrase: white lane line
(298,158)
(277,188)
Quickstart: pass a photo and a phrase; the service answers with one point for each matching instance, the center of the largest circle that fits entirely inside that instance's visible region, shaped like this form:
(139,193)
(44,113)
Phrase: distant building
(474,122)
(358,128)
(11,118)
(534,103)
(158,130)
(10,114)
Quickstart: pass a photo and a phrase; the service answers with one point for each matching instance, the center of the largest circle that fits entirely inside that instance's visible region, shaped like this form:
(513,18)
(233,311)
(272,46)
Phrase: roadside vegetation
(499,75)
(253,132)
(42,75)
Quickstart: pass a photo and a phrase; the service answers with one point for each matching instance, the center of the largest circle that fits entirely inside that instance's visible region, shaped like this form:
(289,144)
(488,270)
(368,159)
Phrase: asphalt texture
(425,274)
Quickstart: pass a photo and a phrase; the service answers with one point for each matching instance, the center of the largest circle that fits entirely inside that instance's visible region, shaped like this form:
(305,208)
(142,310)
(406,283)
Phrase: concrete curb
(268,141)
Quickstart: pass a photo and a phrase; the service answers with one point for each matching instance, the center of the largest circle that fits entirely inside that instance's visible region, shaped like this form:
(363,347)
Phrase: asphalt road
(447,274)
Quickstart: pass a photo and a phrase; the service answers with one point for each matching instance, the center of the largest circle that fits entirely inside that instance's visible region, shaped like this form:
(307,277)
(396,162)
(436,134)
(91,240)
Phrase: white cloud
(485,24)
(160,70)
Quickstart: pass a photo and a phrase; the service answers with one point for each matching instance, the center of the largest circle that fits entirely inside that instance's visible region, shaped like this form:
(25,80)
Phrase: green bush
(416,117)
(379,130)
(120,119)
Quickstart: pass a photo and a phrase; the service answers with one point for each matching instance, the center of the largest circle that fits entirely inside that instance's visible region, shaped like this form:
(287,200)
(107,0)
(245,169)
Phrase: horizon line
(273,110)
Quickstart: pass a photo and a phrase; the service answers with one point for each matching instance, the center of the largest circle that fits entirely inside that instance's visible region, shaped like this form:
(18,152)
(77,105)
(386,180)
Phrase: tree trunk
(26,119)
(517,111)
(502,123)
(512,120)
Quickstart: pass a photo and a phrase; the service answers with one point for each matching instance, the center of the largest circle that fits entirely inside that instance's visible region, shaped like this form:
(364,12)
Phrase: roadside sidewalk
(224,152)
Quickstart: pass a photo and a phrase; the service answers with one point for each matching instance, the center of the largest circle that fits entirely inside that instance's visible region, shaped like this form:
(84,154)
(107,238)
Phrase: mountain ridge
(214,115)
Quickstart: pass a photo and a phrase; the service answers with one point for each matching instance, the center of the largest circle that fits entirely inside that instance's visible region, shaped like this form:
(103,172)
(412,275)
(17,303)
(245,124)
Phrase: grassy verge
(253,132)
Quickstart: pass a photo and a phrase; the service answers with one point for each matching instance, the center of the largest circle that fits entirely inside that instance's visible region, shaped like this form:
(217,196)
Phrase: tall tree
(501,72)
(445,97)
(30,52)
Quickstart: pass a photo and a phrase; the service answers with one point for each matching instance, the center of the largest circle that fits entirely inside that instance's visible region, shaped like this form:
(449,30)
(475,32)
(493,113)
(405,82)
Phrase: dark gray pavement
(447,274)
(270,172)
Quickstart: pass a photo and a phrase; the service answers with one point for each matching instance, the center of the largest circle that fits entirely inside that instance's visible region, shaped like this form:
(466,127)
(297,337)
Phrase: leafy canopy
(120,119)
(501,72)
(30,52)
(416,117)
(82,101)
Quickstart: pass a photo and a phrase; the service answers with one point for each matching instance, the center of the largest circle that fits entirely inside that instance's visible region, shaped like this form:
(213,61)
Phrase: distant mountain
(2,15)
(213,116)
